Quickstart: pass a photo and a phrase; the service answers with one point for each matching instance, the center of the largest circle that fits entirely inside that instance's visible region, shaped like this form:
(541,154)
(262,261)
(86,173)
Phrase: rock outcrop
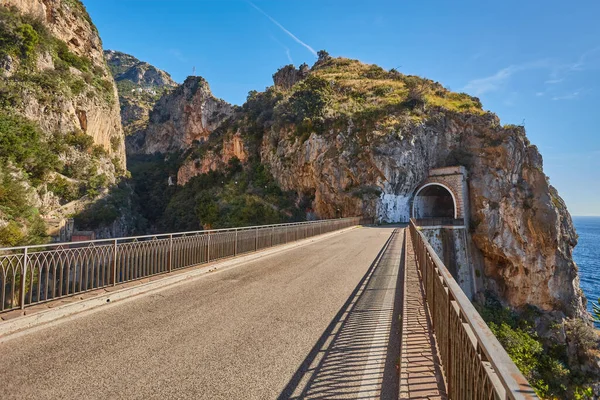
(359,140)
(519,223)
(60,103)
(186,115)
(233,147)
(125,67)
(91,105)
(140,85)
(288,76)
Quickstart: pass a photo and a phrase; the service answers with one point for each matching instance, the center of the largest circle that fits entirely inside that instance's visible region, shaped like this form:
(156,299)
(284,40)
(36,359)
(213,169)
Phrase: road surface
(318,321)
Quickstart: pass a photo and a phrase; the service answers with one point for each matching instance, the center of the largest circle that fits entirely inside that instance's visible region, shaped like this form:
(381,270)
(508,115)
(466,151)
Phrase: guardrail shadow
(357,355)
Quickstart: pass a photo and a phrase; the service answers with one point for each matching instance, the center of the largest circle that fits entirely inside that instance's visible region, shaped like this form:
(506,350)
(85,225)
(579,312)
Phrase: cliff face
(90,103)
(58,103)
(232,147)
(126,67)
(189,113)
(519,223)
(359,140)
(140,85)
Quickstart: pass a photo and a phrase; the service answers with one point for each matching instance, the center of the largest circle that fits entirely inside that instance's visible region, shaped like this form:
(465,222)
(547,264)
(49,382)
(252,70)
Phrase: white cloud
(490,83)
(290,34)
(499,79)
(569,96)
(588,58)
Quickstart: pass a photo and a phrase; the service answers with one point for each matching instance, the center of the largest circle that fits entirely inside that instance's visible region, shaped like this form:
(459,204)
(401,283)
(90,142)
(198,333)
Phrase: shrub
(99,151)
(29,40)
(95,184)
(323,56)
(78,169)
(310,99)
(64,189)
(115,143)
(11,235)
(545,364)
(81,63)
(416,97)
(19,35)
(20,215)
(520,345)
(80,140)
(21,143)
(77,86)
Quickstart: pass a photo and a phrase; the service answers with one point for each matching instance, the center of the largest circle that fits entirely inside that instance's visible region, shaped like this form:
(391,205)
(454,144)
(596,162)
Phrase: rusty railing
(475,364)
(31,275)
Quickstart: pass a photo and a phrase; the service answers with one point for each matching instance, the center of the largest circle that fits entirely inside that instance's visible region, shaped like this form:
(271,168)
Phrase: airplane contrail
(287,50)
(290,34)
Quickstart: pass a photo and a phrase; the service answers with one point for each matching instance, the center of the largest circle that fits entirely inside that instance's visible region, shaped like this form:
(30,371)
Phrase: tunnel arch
(434,200)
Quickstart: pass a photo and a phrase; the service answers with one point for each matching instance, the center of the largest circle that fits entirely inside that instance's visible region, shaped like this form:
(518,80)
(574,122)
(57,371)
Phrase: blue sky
(532,62)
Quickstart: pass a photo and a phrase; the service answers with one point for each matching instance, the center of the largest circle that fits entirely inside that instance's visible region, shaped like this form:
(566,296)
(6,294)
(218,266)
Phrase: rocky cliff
(187,115)
(358,139)
(59,114)
(140,85)
(68,86)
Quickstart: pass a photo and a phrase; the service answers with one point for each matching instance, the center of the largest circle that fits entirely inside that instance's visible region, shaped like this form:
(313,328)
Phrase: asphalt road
(253,332)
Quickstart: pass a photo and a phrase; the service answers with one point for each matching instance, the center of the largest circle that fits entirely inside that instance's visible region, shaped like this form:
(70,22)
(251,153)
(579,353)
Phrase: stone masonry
(454,179)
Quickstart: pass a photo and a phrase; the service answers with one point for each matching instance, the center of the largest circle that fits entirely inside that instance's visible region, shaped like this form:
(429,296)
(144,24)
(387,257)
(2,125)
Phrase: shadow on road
(357,355)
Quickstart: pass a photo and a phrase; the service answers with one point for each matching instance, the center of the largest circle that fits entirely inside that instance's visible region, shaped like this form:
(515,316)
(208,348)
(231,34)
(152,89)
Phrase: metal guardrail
(440,221)
(475,364)
(31,275)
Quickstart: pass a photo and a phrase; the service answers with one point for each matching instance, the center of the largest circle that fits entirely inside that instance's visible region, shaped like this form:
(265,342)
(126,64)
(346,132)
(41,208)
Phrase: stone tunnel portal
(434,201)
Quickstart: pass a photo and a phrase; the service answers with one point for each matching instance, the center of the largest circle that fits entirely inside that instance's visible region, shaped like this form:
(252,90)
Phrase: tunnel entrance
(434,201)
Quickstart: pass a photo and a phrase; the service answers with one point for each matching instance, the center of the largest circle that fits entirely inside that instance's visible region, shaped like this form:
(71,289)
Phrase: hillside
(139,85)
(357,138)
(61,138)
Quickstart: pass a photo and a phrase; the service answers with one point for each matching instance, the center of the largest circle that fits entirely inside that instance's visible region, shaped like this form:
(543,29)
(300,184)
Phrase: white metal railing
(35,274)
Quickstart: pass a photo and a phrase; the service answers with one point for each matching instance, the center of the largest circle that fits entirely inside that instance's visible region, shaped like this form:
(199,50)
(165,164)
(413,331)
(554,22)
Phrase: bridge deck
(318,321)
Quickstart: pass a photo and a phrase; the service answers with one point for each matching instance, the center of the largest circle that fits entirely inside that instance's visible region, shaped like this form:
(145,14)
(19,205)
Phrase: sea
(587,256)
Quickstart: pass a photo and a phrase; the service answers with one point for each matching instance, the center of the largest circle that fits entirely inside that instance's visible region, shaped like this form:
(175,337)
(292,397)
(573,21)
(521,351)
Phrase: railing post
(208,247)
(171,253)
(23,279)
(114,270)
(448,365)
(256,240)
(272,232)
(235,244)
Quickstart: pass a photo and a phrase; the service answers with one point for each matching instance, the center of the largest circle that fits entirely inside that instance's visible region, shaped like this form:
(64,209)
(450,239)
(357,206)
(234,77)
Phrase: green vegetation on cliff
(333,95)
(23,40)
(237,196)
(44,155)
(30,166)
(338,91)
(556,371)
